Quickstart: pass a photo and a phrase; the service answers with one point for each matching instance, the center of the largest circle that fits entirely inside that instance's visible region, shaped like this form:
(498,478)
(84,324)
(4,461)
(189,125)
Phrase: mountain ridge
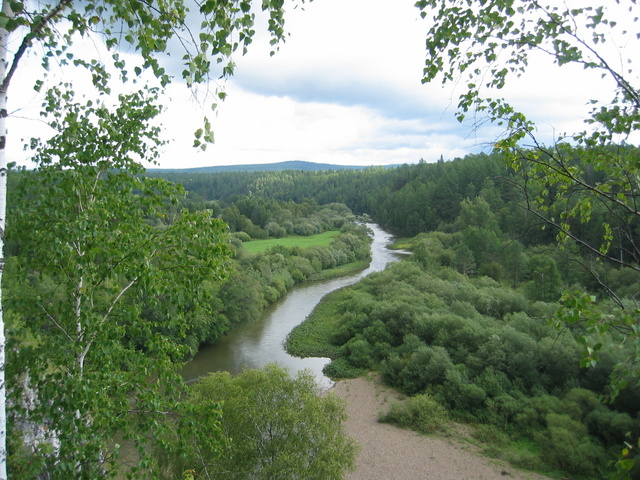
(266,167)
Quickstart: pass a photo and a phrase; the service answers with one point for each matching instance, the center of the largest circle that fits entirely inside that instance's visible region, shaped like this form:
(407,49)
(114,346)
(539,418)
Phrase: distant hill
(262,167)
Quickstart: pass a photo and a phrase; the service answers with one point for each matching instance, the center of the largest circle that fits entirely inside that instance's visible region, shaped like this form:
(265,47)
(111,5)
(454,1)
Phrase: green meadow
(321,240)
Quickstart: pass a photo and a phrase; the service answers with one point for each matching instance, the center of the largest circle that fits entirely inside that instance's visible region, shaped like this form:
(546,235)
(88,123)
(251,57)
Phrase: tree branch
(53,320)
(94,333)
(36,30)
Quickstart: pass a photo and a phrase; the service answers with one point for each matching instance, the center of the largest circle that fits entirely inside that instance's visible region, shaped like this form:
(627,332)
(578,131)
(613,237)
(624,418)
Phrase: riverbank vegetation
(484,352)
(474,323)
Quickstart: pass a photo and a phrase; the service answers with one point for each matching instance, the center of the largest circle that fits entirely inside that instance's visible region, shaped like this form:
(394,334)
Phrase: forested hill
(263,167)
(407,199)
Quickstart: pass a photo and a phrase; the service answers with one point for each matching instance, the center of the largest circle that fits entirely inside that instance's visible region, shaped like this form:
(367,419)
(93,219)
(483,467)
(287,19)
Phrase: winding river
(259,343)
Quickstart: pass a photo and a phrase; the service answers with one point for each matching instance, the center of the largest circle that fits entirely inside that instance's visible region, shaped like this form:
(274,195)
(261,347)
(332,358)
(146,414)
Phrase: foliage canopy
(276,426)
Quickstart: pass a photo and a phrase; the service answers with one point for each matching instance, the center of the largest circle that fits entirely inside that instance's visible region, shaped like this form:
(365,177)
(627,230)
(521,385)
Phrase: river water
(259,343)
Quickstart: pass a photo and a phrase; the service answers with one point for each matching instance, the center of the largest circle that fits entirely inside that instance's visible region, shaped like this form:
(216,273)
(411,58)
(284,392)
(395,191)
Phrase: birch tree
(146,27)
(99,245)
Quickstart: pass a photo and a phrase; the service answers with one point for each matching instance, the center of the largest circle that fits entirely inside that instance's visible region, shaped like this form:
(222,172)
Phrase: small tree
(545,283)
(276,426)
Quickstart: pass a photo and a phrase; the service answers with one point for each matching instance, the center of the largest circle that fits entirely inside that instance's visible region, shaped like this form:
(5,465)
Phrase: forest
(477,319)
(476,326)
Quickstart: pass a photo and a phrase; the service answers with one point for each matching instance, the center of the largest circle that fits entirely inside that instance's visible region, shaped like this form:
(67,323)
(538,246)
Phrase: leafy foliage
(85,362)
(420,413)
(276,426)
(585,185)
(149,29)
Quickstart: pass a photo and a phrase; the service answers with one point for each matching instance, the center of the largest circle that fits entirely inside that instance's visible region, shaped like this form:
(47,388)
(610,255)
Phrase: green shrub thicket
(483,351)
(271,425)
(421,413)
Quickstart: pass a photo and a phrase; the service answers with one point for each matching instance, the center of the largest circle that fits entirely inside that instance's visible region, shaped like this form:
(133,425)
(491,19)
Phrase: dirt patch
(391,453)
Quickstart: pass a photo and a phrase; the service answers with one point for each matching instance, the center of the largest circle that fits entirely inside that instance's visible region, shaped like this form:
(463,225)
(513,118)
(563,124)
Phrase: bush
(359,352)
(579,402)
(273,426)
(426,366)
(341,368)
(491,436)
(468,399)
(421,413)
(612,427)
(566,445)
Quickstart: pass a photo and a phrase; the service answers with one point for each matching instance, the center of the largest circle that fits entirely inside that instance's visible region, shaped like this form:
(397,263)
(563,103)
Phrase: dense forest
(473,327)
(474,320)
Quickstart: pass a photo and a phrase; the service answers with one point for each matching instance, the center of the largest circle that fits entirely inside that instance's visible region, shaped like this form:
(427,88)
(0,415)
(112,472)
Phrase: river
(259,343)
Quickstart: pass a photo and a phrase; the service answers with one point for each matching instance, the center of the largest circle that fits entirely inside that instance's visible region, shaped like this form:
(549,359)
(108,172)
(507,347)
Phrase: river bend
(259,343)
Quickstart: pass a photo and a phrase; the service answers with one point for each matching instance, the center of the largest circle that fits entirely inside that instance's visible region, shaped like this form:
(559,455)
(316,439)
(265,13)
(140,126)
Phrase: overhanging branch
(36,30)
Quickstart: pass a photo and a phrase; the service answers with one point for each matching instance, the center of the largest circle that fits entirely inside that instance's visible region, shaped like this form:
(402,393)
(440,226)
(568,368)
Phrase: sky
(344,89)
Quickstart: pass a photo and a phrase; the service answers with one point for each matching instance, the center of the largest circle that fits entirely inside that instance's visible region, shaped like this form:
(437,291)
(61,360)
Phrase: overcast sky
(345,89)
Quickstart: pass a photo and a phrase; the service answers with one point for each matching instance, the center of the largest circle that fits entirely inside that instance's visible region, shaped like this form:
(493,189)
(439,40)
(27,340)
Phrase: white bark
(4,45)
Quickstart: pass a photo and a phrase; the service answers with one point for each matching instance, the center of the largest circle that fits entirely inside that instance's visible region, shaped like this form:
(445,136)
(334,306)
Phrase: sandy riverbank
(390,453)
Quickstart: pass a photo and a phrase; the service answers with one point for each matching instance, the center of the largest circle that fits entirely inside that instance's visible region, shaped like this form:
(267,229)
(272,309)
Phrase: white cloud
(345,89)
(253,128)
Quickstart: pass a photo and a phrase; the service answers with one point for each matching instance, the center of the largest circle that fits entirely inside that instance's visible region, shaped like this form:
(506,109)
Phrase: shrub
(532,418)
(468,399)
(421,413)
(341,368)
(242,236)
(349,324)
(359,352)
(579,402)
(491,435)
(273,425)
(558,361)
(390,369)
(566,445)
(492,270)
(426,366)
(377,332)
(612,427)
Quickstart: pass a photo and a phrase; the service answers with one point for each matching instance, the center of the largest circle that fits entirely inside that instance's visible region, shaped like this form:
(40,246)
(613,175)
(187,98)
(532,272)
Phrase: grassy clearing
(402,244)
(312,338)
(323,239)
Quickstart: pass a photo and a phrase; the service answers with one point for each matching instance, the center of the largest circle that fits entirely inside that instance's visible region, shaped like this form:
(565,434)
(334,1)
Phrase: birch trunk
(4,45)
